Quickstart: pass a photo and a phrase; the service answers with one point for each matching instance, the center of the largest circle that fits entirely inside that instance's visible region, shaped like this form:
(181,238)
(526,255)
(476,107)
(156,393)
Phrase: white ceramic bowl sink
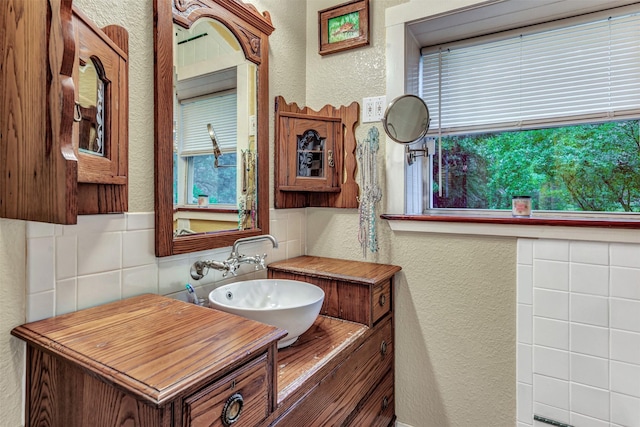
(288,304)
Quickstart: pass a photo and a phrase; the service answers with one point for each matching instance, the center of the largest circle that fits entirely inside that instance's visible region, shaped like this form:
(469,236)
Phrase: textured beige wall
(455,297)
(12,313)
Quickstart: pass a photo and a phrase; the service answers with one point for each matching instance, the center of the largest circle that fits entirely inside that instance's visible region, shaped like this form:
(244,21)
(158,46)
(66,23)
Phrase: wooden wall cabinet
(43,176)
(315,156)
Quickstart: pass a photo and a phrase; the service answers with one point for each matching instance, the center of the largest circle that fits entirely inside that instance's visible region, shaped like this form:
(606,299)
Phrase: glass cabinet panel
(311,154)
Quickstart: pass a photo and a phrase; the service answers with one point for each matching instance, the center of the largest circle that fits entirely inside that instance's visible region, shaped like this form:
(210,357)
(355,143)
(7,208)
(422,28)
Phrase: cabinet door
(100,137)
(98,102)
(38,169)
(311,158)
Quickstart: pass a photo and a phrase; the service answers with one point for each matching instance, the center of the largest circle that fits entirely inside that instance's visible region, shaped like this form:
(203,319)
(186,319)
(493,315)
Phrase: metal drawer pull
(382,300)
(383,348)
(232,409)
(385,403)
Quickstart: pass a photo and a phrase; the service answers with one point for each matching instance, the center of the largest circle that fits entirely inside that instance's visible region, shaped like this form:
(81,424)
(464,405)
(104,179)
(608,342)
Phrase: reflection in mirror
(217,77)
(214,107)
(406,119)
(90,107)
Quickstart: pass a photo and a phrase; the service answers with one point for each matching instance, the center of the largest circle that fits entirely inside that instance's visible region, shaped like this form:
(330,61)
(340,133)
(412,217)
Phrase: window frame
(401,212)
(185,162)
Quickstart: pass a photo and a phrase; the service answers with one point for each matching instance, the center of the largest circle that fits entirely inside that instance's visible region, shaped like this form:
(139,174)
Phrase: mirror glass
(90,108)
(211,108)
(406,119)
(215,104)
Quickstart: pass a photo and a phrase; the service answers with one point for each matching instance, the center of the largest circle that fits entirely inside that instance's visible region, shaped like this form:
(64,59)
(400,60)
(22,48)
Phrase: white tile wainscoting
(104,258)
(578,345)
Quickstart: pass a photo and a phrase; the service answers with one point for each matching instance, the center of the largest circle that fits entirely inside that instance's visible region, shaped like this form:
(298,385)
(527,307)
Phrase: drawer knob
(383,348)
(232,409)
(382,300)
(385,403)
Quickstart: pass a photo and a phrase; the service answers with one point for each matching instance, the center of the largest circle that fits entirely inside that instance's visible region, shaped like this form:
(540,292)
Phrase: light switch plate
(373,108)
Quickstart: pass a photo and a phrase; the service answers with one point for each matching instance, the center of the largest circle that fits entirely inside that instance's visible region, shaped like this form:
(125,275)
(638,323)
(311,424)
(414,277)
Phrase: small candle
(203,200)
(521,206)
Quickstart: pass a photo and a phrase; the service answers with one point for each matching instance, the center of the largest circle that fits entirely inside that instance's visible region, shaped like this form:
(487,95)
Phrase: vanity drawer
(244,390)
(381,300)
(336,398)
(358,302)
(378,409)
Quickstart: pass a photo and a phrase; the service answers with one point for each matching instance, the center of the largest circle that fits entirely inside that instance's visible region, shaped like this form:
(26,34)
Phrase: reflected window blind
(195,114)
(577,73)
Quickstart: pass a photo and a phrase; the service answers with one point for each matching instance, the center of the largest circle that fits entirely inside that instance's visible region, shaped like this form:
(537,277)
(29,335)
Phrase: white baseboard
(399,424)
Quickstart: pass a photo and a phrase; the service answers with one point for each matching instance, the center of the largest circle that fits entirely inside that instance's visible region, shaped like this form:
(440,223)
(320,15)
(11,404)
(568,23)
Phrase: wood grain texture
(151,346)
(313,353)
(337,269)
(61,394)
(103,181)
(344,148)
(346,300)
(155,361)
(557,221)
(205,408)
(252,30)
(38,167)
(333,400)
(379,409)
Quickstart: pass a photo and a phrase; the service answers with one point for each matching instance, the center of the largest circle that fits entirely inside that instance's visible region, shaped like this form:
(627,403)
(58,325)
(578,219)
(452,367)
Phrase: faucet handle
(232,266)
(260,264)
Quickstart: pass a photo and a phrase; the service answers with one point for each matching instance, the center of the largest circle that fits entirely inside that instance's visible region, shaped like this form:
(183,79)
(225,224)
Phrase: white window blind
(218,110)
(576,73)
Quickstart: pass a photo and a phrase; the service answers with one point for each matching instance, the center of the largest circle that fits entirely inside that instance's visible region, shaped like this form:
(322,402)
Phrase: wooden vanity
(156,361)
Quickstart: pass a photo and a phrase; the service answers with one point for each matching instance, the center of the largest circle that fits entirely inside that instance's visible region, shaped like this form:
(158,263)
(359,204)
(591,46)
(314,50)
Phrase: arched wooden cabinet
(62,78)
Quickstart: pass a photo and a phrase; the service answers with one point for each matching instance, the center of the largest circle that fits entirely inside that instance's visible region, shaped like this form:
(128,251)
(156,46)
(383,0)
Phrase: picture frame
(343,27)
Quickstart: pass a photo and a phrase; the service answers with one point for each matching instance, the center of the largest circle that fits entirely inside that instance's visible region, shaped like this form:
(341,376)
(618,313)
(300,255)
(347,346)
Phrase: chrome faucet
(200,268)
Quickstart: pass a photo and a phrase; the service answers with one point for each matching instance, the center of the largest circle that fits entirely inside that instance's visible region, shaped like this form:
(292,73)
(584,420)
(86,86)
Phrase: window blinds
(582,72)
(195,114)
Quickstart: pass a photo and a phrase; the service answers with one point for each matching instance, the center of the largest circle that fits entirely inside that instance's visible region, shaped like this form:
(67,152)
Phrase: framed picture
(343,27)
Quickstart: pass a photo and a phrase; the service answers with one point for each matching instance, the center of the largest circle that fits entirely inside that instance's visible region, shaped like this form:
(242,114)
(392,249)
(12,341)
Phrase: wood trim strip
(550,221)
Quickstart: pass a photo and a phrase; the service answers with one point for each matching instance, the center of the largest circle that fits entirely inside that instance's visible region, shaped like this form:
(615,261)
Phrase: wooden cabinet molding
(42,175)
(102,181)
(336,187)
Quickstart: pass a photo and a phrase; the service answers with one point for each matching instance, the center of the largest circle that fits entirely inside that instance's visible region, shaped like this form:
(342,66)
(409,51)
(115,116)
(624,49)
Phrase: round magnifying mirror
(406,119)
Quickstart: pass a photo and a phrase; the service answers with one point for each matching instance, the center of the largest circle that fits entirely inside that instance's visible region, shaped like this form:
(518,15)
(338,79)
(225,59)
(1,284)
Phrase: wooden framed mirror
(211,167)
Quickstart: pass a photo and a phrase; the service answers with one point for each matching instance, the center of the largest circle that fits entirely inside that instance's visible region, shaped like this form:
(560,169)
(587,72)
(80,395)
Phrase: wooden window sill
(625,229)
(204,209)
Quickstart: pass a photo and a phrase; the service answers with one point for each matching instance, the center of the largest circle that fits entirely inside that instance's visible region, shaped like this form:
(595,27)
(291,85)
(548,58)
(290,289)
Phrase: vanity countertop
(342,269)
(152,346)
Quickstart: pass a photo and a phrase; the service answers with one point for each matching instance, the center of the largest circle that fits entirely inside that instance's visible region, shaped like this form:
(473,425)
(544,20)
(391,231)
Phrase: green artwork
(344,27)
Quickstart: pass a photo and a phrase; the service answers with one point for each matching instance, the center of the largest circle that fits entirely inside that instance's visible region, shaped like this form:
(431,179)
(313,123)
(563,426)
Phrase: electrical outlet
(379,107)
(373,108)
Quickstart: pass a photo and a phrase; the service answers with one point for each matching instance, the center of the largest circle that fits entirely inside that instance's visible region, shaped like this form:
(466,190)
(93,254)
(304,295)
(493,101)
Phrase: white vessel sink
(287,304)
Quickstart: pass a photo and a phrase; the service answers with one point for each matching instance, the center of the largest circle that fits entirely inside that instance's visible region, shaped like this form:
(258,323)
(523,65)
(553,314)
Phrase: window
(547,112)
(195,158)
